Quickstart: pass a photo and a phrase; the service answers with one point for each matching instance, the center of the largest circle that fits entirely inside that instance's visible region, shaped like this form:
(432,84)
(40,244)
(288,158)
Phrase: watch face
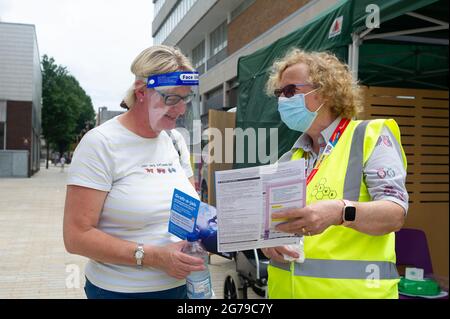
(139,254)
(350,213)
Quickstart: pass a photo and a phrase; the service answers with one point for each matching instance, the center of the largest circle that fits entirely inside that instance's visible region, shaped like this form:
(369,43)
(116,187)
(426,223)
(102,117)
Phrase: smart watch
(348,212)
(139,254)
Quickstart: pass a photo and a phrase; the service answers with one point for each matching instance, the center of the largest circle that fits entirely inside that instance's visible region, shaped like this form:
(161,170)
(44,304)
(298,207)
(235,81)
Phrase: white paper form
(246,199)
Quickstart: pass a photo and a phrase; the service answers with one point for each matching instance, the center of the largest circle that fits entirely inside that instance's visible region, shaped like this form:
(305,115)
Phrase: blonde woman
(120,187)
(356,195)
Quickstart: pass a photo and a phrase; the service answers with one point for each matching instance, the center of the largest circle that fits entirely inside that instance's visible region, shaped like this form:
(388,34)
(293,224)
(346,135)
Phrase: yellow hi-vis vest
(342,262)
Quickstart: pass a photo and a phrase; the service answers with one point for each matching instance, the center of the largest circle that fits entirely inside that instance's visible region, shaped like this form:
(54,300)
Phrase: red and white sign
(336,27)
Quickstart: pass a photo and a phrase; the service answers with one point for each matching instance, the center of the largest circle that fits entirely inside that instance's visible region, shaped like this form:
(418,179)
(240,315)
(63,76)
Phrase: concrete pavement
(33,260)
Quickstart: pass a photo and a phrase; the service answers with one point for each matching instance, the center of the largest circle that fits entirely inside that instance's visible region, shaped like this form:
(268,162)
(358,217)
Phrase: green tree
(67,110)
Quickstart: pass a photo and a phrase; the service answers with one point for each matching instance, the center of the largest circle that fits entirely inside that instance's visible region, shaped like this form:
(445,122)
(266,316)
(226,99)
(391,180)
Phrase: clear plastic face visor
(175,102)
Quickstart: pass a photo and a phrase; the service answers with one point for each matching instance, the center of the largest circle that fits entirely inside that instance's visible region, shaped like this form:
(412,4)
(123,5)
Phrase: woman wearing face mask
(120,188)
(356,196)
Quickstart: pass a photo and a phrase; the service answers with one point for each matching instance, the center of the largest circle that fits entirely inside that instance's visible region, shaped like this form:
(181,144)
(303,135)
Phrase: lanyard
(329,148)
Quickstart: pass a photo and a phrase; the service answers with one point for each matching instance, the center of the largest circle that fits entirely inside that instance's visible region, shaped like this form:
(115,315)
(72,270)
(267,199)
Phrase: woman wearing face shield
(120,188)
(355,198)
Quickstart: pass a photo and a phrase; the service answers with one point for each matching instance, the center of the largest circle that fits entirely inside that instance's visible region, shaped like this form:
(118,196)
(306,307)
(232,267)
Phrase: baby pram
(251,271)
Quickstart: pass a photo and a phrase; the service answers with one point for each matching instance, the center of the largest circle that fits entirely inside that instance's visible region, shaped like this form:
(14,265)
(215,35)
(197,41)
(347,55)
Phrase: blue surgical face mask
(295,114)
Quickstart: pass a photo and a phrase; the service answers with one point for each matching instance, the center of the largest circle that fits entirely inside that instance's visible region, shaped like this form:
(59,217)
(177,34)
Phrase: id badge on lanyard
(334,139)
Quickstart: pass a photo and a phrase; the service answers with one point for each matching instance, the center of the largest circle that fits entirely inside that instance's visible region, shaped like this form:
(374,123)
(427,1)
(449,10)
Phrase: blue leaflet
(183,214)
(188,215)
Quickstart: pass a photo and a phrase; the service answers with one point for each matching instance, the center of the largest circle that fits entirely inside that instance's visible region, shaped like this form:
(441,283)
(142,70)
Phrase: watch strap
(347,203)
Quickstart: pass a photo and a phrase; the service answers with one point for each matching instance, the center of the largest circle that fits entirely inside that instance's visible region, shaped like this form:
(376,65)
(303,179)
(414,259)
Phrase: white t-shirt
(140,175)
(184,153)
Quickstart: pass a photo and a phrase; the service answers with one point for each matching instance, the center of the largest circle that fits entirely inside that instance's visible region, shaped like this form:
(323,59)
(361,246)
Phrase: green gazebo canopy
(409,49)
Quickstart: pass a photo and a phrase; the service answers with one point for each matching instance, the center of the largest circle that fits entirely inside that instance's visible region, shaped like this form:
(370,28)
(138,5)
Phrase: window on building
(157,6)
(218,39)
(214,100)
(175,16)
(198,55)
(2,125)
(2,135)
(233,93)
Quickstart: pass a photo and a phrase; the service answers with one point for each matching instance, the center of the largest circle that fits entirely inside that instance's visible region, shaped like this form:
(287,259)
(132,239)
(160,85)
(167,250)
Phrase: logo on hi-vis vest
(322,191)
(336,27)
(384,140)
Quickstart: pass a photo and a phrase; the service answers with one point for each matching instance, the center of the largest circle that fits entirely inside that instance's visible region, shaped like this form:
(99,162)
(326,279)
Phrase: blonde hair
(157,59)
(335,81)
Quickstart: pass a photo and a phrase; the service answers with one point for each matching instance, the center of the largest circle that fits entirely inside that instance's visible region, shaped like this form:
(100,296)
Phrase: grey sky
(95,39)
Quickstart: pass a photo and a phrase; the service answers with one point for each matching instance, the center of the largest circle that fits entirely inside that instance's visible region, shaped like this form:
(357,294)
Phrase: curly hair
(334,79)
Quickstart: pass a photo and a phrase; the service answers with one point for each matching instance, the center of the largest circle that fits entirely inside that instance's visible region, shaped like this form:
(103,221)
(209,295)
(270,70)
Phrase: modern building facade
(20,100)
(215,33)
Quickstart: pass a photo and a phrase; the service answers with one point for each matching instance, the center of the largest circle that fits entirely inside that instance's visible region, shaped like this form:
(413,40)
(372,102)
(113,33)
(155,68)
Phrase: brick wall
(257,19)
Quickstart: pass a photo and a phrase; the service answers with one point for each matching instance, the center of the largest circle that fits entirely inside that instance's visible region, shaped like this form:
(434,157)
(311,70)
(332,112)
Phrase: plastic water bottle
(198,283)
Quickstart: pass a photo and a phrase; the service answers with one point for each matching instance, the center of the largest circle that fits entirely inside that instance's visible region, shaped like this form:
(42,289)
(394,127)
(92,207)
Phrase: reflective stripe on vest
(353,177)
(341,269)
